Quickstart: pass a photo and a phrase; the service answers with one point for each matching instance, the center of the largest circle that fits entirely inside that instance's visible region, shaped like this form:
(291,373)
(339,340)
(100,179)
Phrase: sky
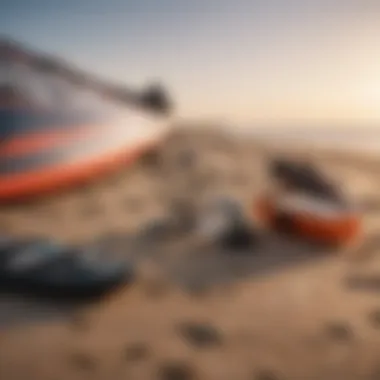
(245,61)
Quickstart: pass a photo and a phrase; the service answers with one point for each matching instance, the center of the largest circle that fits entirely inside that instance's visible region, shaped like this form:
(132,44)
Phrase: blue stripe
(65,154)
(21,122)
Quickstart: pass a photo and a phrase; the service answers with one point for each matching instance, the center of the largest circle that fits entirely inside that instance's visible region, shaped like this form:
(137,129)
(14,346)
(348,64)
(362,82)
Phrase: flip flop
(46,267)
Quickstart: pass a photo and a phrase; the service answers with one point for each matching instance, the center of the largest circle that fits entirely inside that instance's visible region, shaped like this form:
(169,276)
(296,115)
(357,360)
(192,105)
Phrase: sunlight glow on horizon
(243,60)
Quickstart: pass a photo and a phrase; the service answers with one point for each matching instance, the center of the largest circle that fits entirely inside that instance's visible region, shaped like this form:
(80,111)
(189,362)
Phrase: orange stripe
(37,141)
(340,231)
(18,186)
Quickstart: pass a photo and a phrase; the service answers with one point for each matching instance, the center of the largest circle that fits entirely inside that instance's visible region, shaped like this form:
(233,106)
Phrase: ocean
(361,140)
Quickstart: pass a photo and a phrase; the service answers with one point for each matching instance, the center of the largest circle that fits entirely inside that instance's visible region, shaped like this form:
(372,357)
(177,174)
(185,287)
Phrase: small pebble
(176,371)
(374,318)
(136,352)
(83,361)
(200,335)
(339,331)
(265,375)
(151,159)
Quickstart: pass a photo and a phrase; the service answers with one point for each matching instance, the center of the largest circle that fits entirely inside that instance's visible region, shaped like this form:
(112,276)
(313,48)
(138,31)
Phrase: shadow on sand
(192,269)
(195,267)
(212,267)
(20,309)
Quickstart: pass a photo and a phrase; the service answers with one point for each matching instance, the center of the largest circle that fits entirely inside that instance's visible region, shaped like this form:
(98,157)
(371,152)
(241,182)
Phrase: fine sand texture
(279,310)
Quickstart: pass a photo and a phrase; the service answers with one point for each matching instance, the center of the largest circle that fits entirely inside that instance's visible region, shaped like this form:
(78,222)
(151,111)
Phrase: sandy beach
(283,311)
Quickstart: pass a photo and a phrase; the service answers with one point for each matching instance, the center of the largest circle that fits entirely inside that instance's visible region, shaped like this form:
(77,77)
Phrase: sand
(282,311)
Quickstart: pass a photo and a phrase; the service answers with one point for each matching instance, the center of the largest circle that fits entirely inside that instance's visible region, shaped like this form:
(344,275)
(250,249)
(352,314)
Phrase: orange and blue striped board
(43,149)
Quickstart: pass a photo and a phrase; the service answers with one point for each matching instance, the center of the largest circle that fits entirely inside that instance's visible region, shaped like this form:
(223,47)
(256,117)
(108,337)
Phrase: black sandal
(48,268)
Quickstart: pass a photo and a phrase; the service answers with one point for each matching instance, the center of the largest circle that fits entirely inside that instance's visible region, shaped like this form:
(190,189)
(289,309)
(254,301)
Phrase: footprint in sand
(83,361)
(176,371)
(265,375)
(339,331)
(374,318)
(200,335)
(136,352)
